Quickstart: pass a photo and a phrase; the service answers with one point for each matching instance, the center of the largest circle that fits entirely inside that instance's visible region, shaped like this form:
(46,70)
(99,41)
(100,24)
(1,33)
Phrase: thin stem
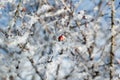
(112,40)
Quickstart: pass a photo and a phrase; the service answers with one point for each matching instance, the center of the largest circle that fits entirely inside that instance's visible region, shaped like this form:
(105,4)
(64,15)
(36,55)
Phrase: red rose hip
(61,38)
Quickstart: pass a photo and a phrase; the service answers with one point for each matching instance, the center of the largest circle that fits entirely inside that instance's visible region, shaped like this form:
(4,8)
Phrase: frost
(18,40)
(30,48)
(44,8)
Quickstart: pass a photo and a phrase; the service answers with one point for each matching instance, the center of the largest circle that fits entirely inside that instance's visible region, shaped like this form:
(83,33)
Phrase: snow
(18,40)
(29,45)
(44,8)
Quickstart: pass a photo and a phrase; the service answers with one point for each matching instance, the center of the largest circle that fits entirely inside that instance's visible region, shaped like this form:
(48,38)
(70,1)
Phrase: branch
(112,40)
(32,63)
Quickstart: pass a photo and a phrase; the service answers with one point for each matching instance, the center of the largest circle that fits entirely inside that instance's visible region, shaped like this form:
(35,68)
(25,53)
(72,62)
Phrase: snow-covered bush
(59,40)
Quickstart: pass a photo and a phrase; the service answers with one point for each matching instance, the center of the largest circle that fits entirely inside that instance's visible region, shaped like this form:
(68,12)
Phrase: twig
(57,71)
(32,63)
(112,40)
